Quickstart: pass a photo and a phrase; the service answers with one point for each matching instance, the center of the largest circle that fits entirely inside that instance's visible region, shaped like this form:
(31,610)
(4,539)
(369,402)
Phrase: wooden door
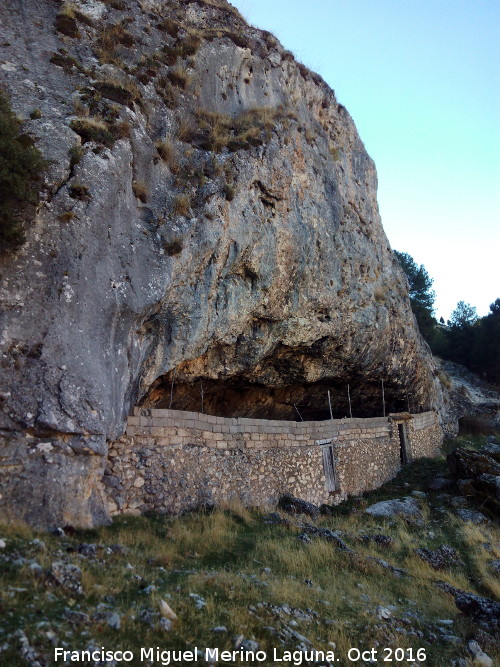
(329,468)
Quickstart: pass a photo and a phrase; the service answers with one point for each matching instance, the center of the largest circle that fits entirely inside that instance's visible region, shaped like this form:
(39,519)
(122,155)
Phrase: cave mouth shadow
(236,397)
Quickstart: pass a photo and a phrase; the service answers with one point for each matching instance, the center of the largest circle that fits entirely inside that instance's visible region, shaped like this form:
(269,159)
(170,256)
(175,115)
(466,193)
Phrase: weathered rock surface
(441,558)
(472,399)
(407,507)
(481,610)
(477,474)
(246,250)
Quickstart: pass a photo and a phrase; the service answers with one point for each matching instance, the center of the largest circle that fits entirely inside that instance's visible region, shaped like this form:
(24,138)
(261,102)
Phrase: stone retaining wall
(425,432)
(171,460)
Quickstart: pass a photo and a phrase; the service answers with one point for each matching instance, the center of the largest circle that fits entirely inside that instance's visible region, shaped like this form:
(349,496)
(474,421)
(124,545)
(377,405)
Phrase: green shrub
(66,61)
(108,41)
(21,166)
(67,216)
(167,92)
(67,25)
(470,425)
(121,92)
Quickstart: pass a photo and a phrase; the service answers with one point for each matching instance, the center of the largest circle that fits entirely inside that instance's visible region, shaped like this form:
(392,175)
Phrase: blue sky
(420,79)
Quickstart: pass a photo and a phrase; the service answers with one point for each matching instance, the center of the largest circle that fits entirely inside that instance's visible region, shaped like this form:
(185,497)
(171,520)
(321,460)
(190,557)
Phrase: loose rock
(293,505)
(441,558)
(407,507)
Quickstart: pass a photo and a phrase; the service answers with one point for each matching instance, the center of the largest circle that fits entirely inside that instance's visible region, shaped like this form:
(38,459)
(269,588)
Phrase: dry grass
(121,129)
(92,129)
(185,129)
(445,379)
(179,76)
(169,26)
(167,92)
(65,22)
(181,205)
(68,9)
(67,216)
(380,294)
(253,127)
(18,530)
(108,41)
(119,90)
(246,570)
(334,152)
(167,152)
(140,190)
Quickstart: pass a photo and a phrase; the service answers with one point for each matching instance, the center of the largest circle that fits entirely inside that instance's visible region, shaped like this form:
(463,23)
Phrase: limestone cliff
(208,219)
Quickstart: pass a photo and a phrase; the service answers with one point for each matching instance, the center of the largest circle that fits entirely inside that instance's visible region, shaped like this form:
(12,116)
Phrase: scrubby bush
(21,166)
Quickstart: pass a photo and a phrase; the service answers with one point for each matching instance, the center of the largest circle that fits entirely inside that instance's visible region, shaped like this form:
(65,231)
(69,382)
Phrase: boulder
(326,534)
(481,610)
(293,505)
(67,576)
(477,475)
(480,657)
(441,558)
(407,507)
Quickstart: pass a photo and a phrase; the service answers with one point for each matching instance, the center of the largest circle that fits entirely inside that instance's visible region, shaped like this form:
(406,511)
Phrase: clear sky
(421,80)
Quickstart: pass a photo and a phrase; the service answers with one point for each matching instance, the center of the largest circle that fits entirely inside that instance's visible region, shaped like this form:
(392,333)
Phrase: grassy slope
(220,556)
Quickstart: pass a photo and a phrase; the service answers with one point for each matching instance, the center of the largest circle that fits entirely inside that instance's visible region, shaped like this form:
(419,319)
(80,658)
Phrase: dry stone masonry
(171,460)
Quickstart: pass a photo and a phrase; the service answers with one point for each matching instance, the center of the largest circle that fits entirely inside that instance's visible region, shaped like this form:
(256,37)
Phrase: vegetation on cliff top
(466,338)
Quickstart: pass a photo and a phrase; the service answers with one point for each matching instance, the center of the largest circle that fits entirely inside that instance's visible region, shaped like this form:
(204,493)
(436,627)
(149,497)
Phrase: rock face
(208,220)
(472,401)
(477,474)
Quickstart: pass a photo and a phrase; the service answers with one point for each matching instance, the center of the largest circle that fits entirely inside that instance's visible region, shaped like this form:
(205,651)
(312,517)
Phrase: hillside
(238,580)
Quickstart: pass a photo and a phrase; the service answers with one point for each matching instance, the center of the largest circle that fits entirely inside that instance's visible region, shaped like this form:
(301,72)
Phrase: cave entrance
(403,444)
(238,397)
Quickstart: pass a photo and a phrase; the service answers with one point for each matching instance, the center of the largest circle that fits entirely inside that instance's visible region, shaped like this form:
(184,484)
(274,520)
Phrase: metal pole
(171,390)
(330,405)
(201,387)
(383,399)
(298,412)
(349,398)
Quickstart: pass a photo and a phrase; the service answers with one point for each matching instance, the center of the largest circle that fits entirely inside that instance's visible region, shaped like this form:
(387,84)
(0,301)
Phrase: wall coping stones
(340,424)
